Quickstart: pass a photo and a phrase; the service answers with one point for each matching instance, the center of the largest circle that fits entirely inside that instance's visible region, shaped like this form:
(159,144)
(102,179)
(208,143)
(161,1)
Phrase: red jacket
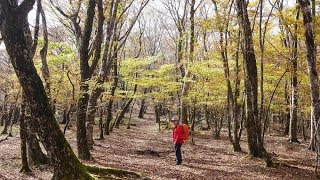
(177,134)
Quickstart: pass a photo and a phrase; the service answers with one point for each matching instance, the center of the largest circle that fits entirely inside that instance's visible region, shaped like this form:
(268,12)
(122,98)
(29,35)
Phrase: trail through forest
(145,150)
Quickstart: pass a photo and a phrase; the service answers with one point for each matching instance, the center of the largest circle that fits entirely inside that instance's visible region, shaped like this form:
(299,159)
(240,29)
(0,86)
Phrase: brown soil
(145,150)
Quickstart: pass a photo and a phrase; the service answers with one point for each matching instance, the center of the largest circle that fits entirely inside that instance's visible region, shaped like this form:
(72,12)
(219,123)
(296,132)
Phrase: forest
(88,89)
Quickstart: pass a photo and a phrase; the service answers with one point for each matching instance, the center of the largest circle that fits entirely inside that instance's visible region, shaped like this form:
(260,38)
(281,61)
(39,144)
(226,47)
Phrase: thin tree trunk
(142,105)
(110,103)
(287,114)
(186,84)
(23,131)
(7,120)
(101,119)
(130,116)
(124,110)
(294,86)
(105,67)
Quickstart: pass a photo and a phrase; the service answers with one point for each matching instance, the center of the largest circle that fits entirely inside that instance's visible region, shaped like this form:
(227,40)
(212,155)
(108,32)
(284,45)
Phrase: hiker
(178,139)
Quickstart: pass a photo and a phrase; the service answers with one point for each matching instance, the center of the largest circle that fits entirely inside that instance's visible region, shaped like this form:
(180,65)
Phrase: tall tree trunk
(294,86)
(186,84)
(253,124)
(313,73)
(66,165)
(110,103)
(43,53)
(105,67)
(231,100)
(237,127)
(82,142)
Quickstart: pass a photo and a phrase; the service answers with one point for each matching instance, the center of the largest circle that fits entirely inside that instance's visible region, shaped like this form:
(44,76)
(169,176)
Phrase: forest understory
(145,150)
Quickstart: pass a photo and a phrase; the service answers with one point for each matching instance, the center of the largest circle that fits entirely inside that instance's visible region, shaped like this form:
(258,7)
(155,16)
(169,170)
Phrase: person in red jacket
(177,138)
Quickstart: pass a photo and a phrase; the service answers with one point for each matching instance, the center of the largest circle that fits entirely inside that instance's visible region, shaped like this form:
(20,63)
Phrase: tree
(13,18)
(253,123)
(313,73)
(294,85)
(82,142)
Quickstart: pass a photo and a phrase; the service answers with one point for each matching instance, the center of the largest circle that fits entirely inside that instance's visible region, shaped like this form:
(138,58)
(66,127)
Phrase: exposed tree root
(112,173)
(25,170)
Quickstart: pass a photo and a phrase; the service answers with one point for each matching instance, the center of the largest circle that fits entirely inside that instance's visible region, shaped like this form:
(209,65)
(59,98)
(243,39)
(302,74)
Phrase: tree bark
(186,83)
(7,119)
(287,113)
(66,165)
(294,86)
(35,154)
(313,73)
(125,109)
(142,105)
(82,142)
(23,131)
(105,67)
(253,123)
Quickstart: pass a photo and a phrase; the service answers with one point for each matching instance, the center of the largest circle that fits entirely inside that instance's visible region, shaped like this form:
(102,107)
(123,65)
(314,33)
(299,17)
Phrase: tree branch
(25,7)
(36,30)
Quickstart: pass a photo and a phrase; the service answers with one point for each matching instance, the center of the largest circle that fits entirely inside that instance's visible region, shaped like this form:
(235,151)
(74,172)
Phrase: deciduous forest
(88,89)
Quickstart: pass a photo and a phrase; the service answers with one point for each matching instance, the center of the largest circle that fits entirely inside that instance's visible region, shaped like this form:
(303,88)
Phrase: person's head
(175,121)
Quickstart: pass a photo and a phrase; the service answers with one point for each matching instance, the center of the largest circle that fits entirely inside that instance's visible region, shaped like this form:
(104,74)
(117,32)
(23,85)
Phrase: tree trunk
(313,74)
(253,123)
(105,65)
(294,86)
(110,103)
(64,116)
(35,154)
(66,165)
(69,111)
(23,133)
(43,54)
(157,113)
(124,110)
(207,117)
(130,116)
(82,142)
(109,117)
(237,127)
(142,105)
(287,113)
(7,120)
(186,84)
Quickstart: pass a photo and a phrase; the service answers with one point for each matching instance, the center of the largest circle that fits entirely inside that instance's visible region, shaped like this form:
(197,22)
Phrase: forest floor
(145,150)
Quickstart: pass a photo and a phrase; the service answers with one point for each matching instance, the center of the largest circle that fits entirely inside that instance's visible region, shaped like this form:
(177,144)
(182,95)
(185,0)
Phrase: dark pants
(177,148)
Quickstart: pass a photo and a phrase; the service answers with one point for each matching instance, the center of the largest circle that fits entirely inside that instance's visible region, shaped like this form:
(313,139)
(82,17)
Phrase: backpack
(186,132)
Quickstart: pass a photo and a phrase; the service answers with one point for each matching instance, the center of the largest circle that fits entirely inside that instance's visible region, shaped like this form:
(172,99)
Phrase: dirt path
(146,150)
